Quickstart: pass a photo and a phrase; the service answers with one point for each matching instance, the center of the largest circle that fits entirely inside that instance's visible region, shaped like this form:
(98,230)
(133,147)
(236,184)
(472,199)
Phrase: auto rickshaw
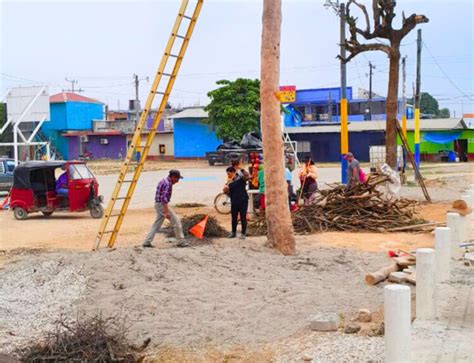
(34,189)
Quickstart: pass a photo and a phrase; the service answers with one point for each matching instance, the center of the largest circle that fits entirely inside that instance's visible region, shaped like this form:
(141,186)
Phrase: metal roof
(440,124)
(191,112)
(70,97)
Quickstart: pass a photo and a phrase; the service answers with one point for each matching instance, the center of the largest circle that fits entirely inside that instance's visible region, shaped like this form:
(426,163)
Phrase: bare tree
(383,15)
(280,227)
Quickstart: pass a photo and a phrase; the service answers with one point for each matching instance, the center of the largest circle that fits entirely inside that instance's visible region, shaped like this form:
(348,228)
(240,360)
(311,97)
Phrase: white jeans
(160,218)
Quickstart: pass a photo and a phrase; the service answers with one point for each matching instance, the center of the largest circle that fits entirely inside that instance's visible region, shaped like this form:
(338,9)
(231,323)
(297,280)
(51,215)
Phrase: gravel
(32,296)
(333,348)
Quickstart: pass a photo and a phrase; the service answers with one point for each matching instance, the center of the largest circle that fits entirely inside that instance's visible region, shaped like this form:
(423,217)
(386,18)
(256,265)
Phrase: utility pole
(371,66)
(417,99)
(137,100)
(343,106)
(404,99)
(73,81)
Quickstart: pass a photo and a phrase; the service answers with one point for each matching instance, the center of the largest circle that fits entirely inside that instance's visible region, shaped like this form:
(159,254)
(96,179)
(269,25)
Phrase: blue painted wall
(307,96)
(325,147)
(193,138)
(70,116)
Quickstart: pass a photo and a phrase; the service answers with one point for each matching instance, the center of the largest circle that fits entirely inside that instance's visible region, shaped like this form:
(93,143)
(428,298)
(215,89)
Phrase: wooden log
(381,275)
(416,226)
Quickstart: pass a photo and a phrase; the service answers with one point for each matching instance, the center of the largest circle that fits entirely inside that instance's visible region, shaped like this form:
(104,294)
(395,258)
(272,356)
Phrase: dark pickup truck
(6,174)
(225,156)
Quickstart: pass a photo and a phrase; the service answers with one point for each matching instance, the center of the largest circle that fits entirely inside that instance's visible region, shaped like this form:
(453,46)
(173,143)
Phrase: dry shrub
(86,339)
(189,205)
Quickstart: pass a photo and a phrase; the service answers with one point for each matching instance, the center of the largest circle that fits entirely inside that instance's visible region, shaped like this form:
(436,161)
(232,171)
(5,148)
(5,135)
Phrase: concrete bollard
(453,221)
(443,253)
(425,284)
(397,319)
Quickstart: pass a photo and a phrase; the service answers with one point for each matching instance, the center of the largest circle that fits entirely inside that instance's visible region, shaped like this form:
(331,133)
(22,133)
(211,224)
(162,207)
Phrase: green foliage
(444,113)
(3,118)
(234,109)
(429,105)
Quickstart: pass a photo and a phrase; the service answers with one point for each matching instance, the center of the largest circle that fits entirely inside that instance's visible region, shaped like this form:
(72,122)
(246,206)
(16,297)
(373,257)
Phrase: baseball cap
(347,155)
(176,173)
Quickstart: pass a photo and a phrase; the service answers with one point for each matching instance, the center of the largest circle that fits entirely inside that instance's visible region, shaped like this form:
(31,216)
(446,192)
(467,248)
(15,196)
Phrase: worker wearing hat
(163,210)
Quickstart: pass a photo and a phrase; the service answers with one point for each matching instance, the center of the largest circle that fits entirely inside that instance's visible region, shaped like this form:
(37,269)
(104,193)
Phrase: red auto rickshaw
(34,189)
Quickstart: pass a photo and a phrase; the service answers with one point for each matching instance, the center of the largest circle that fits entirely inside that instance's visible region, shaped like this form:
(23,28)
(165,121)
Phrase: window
(303,146)
(162,148)
(79,171)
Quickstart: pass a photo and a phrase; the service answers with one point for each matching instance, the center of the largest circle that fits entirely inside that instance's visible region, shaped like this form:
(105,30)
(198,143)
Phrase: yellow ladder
(170,59)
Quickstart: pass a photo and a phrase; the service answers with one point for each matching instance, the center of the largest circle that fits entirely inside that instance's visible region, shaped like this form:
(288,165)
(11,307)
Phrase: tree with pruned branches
(383,14)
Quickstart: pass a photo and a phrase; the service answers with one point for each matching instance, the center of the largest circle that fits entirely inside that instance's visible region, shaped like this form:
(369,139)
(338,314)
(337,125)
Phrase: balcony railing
(121,126)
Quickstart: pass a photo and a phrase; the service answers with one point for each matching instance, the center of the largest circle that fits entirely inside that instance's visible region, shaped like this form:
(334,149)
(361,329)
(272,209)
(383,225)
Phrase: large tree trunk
(280,227)
(392,107)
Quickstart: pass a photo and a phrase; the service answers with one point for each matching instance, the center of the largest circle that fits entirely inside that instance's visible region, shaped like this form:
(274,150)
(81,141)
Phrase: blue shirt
(288,175)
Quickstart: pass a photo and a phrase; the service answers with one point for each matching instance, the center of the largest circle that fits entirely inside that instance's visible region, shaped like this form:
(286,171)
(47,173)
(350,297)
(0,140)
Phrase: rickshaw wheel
(20,213)
(47,214)
(97,211)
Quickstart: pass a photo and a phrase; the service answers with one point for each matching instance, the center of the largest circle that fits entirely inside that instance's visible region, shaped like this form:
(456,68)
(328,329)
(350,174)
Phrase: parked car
(6,174)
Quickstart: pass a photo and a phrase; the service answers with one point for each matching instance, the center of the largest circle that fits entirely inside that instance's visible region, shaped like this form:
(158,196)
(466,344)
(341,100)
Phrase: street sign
(286,94)
(28,104)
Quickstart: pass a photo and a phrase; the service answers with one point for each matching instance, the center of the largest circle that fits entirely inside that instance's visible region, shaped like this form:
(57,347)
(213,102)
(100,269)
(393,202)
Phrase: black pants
(237,208)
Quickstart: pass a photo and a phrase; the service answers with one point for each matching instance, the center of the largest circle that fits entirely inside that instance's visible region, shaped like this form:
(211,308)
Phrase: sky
(102,44)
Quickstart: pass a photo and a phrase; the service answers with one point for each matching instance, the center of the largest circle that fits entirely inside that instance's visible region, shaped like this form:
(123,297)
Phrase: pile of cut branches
(88,339)
(213,228)
(361,208)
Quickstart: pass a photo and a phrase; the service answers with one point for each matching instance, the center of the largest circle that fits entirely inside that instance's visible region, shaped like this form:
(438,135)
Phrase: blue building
(192,137)
(321,106)
(70,112)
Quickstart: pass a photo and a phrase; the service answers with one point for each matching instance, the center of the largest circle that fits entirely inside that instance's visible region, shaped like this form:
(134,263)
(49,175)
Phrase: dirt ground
(233,301)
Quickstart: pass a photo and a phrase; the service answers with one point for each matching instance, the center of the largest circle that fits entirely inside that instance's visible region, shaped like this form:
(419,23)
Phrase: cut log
(382,274)
(416,226)
(404,261)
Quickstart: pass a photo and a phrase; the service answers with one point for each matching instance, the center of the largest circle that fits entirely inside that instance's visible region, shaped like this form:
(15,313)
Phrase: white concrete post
(453,222)
(425,284)
(443,253)
(397,319)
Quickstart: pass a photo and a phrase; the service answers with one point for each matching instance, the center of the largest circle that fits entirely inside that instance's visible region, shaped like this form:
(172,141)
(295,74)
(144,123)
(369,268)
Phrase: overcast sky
(101,44)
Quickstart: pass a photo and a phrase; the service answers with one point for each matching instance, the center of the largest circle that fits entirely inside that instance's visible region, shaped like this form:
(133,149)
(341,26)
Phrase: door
(460,146)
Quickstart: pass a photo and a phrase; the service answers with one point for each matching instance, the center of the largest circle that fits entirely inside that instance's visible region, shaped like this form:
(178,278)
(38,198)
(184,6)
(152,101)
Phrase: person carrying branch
(308,175)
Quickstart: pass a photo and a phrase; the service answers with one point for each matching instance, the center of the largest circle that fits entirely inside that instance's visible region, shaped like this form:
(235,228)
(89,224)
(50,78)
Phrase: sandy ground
(78,231)
(229,295)
(221,294)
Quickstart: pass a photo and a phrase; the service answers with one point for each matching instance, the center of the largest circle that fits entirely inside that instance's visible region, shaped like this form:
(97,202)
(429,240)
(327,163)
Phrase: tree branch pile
(362,208)
(88,339)
(213,228)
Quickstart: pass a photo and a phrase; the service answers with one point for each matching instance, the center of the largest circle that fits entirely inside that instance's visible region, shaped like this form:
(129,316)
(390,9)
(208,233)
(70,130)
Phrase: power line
(446,75)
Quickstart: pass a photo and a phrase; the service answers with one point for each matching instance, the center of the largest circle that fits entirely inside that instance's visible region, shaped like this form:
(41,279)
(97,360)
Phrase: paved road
(198,185)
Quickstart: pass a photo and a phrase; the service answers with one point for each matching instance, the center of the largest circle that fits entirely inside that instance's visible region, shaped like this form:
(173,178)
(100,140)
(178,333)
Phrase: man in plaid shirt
(163,211)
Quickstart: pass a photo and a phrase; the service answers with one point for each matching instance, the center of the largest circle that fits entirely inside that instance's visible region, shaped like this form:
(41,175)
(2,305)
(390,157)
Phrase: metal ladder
(170,58)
